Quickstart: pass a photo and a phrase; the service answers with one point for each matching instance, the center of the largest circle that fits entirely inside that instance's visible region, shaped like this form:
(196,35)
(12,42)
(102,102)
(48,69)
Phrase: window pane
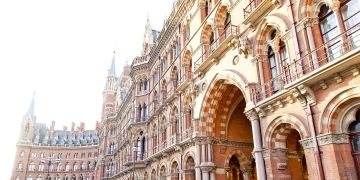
(351,16)
(356,143)
(329,28)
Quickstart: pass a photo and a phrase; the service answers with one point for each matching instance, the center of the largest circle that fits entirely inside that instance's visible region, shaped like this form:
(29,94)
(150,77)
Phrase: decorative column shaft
(255,125)
(197,161)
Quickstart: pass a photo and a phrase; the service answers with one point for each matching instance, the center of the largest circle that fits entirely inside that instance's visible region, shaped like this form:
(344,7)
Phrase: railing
(251,7)
(208,50)
(330,51)
(163,144)
(133,158)
(140,59)
(183,78)
(139,120)
(174,139)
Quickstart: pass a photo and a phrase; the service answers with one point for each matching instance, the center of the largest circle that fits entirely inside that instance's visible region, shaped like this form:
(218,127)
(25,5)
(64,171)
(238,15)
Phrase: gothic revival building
(47,153)
(238,89)
(230,89)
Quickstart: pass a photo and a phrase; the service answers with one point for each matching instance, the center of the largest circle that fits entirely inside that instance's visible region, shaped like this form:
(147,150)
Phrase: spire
(30,112)
(112,71)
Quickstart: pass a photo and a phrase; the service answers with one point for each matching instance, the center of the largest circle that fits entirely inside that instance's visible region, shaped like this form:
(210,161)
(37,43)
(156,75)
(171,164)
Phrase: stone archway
(285,156)
(222,115)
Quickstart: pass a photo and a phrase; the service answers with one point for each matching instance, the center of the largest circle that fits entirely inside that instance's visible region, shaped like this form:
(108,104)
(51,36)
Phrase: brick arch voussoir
(186,58)
(223,112)
(243,160)
(220,15)
(330,114)
(206,33)
(279,129)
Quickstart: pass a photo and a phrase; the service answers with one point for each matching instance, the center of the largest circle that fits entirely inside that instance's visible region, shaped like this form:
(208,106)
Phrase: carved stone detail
(338,78)
(325,139)
(307,143)
(308,93)
(323,84)
(252,115)
(244,46)
(260,112)
(269,153)
(355,71)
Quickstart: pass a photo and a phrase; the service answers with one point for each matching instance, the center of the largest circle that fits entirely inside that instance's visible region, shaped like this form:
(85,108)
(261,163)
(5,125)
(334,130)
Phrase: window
(17,178)
(329,30)
(39,177)
(75,167)
(32,166)
(58,167)
(207,7)
(41,167)
(22,154)
(33,154)
(19,166)
(42,155)
(350,11)
(29,177)
(67,167)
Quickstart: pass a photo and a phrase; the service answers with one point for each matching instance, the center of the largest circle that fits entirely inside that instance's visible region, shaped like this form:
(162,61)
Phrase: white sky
(62,50)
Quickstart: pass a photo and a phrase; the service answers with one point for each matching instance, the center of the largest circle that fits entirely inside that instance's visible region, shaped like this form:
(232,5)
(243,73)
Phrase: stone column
(212,175)
(209,152)
(311,42)
(255,125)
(203,153)
(197,161)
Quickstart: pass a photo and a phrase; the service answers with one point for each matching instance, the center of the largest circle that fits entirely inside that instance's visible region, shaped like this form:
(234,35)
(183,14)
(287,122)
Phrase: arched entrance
(223,118)
(235,172)
(296,156)
(287,159)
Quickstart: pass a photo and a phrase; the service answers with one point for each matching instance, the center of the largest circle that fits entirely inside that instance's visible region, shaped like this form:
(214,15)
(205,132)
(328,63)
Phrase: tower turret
(27,124)
(110,90)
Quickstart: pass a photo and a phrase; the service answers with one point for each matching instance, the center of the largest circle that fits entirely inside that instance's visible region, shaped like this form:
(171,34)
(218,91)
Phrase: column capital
(335,5)
(252,115)
(307,143)
(325,139)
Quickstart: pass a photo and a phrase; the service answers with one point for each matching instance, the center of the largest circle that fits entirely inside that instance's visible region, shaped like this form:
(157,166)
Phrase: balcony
(184,82)
(336,55)
(212,52)
(138,122)
(140,60)
(256,9)
(137,161)
(171,94)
